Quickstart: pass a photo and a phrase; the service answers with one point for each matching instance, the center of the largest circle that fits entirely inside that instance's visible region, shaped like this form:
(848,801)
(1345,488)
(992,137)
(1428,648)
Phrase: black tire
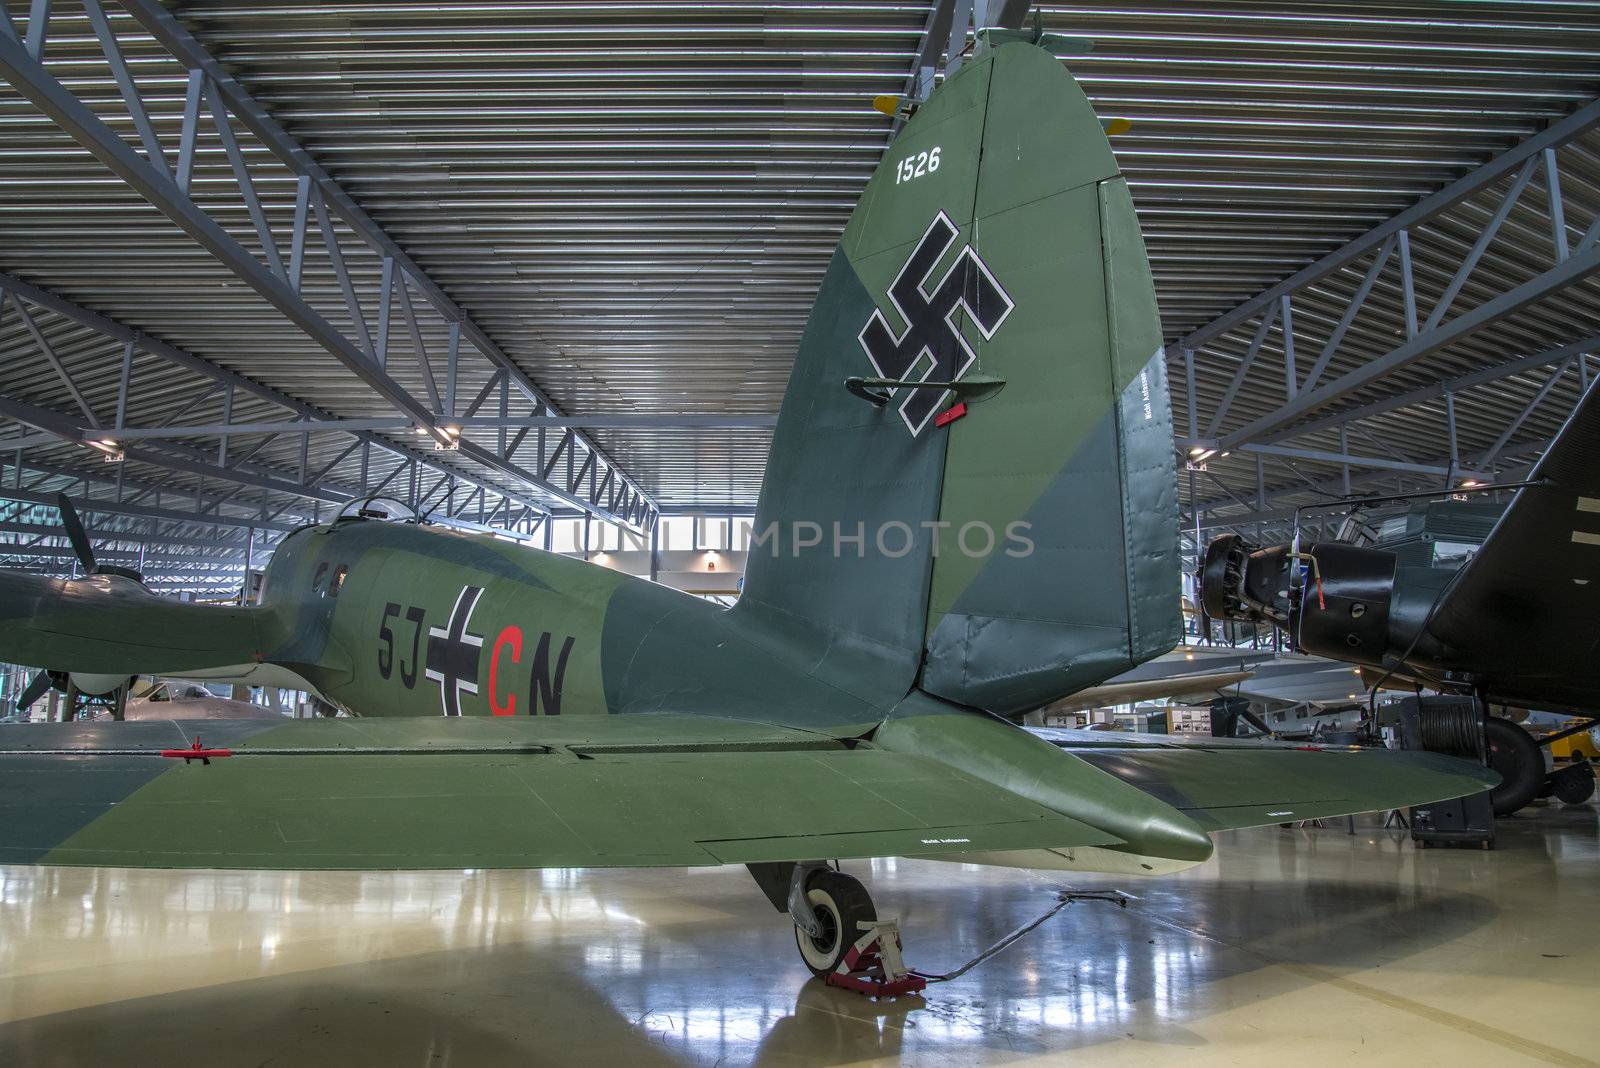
(839,902)
(1515,755)
(1572,789)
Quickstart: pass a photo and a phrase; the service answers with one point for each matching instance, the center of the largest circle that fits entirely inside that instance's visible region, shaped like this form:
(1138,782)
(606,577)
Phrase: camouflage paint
(552,713)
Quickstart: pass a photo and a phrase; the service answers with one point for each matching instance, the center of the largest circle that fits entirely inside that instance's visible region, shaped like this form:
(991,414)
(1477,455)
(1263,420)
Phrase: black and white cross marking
(453,653)
(931,330)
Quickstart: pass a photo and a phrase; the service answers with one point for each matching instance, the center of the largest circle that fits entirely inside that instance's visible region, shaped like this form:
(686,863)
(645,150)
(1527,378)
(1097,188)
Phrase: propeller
(79,537)
(35,689)
(72,525)
(76,534)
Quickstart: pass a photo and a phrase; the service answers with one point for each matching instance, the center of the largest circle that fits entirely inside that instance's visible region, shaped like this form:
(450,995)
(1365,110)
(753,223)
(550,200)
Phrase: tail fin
(1013,539)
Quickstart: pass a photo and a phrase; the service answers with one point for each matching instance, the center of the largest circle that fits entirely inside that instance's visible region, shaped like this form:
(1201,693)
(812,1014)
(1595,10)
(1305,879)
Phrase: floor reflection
(1305,939)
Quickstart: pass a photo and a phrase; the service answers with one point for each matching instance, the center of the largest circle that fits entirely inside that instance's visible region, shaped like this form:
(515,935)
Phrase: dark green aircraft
(969,511)
(1472,600)
(1511,621)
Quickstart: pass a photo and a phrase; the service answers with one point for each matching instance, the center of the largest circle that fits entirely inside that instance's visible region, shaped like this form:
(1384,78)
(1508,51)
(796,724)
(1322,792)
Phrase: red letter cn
(511,636)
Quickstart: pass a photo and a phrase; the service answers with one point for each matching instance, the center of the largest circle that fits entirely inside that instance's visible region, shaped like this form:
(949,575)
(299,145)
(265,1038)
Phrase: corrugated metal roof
(637,200)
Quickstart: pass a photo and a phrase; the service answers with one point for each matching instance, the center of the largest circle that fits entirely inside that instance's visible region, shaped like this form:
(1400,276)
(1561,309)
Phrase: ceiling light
(110,451)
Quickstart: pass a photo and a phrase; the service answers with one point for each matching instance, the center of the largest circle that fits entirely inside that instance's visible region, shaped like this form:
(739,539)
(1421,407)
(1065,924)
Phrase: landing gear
(838,904)
(1573,784)
(827,907)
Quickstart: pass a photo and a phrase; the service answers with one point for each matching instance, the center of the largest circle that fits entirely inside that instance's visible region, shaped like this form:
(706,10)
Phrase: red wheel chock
(873,965)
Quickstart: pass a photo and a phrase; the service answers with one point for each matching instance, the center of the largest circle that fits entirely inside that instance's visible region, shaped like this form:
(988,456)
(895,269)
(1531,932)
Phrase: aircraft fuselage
(396,619)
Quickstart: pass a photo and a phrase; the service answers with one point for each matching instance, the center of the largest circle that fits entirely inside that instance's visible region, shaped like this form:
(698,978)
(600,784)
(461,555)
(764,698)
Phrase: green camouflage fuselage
(391,619)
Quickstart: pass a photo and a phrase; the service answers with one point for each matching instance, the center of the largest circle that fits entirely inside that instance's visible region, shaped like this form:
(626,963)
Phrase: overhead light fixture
(445,438)
(109,450)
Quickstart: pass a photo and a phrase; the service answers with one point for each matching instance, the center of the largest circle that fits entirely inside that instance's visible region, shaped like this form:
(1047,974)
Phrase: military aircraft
(969,511)
(1508,622)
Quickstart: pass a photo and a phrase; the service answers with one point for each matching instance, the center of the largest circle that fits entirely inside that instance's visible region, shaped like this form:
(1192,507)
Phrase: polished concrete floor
(1310,946)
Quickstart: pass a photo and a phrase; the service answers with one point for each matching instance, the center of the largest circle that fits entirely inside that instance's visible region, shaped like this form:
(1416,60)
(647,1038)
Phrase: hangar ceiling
(624,209)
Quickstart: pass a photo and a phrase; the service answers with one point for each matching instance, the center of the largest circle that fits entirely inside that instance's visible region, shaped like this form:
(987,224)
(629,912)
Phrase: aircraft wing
(1226,784)
(1176,687)
(1527,599)
(607,791)
(573,791)
(111,625)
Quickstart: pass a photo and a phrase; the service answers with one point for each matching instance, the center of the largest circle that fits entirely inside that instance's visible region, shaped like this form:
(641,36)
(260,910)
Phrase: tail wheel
(839,903)
(1574,789)
(1516,756)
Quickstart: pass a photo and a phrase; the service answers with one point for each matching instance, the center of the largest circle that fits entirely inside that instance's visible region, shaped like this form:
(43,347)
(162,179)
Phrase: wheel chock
(873,966)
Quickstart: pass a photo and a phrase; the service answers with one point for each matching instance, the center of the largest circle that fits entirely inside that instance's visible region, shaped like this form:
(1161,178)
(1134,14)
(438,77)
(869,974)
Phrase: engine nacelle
(1339,610)
(1349,618)
(1245,582)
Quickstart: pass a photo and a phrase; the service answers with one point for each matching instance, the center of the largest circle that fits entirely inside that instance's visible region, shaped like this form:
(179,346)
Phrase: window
(1393,527)
(713,532)
(741,531)
(565,535)
(677,532)
(1452,553)
(338,579)
(605,537)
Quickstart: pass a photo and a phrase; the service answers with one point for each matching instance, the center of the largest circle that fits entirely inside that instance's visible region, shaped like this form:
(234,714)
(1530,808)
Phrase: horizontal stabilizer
(1224,784)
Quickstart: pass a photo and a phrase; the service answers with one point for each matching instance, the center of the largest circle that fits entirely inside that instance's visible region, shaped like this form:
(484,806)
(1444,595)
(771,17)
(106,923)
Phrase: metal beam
(101,506)
(113,536)
(1560,276)
(1522,417)
(224,377)
(53,422)
(1441,388)
(271,283)
(170,32)
(1557,134)
(518,422)
(1337,488)
(164,561)
(30,78)
(1377,463)
(925,65)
